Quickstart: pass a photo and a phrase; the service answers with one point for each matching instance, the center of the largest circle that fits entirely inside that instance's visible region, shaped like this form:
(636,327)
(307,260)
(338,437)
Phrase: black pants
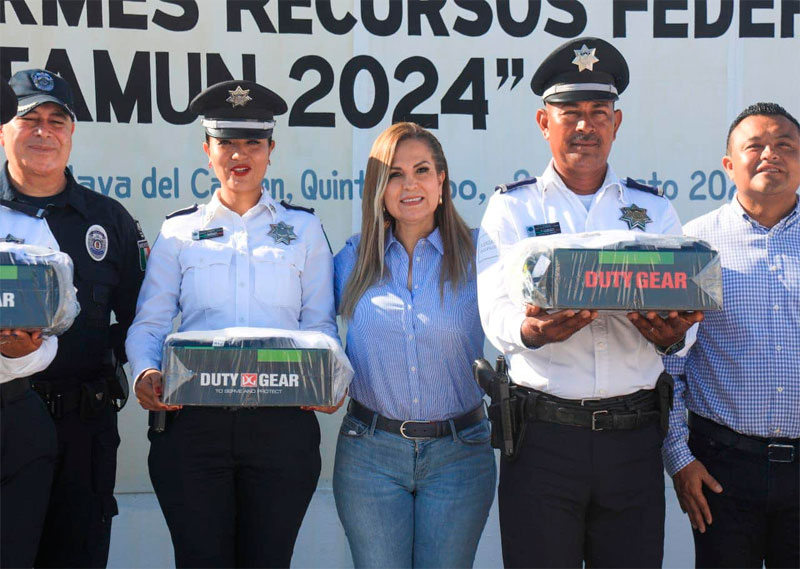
(234,486)
(574,495)
(77,530)
(27,453)
(757,515)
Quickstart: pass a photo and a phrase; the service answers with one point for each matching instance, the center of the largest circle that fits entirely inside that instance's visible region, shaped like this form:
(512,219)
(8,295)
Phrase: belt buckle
(594,418)
(410,438)
(780,453)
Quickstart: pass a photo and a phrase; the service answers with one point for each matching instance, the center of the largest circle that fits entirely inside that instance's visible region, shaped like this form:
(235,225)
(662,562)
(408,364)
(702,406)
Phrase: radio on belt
(253,367)
(615,270)
(36,289)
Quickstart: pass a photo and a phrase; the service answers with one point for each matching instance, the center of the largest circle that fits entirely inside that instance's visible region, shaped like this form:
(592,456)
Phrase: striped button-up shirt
(412,350)
(744,370)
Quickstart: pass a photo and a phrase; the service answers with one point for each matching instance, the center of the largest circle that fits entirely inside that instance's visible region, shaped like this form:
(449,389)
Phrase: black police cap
(583,69)
(37,86)
(238,109)
(8,102)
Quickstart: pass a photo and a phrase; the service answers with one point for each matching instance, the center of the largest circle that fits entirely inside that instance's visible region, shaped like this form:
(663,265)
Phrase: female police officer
(233,485)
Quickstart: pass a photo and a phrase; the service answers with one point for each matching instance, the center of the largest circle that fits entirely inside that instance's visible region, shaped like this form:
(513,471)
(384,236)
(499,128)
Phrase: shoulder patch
(504,188)
(288,205)
(633,184)
(184,211)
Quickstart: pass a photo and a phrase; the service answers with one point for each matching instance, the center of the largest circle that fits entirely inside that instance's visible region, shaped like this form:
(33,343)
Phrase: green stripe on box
(279,356)
(9,272)
(636,258)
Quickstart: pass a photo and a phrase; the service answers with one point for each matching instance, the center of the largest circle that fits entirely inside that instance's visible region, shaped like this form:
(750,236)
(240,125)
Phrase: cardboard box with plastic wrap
(254,367)
(615,270)
(36,289)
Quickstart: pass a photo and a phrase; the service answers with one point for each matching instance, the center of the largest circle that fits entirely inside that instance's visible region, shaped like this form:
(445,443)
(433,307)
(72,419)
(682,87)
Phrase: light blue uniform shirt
(744,370)
(412,350)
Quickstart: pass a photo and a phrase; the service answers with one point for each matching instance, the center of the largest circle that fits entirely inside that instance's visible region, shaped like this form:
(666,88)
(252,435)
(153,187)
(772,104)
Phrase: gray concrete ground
(140,538)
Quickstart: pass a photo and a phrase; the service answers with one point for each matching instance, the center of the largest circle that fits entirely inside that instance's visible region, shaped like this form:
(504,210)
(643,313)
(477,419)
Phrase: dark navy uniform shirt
(109,268)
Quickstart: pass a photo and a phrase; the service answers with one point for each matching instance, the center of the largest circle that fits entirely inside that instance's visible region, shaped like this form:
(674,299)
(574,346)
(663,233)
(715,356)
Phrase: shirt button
(413,369)
(776,307)
(416,287)
(780,390)
(778,348)
(773,268)
(411,336)
(601,344)
(408,306)
(419,259)
(416,400)
(777,430)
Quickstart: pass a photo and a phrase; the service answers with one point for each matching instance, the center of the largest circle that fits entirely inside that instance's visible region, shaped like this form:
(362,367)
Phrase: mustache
(591,138)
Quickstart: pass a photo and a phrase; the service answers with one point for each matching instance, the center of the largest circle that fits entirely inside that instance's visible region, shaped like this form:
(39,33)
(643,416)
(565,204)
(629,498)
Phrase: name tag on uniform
(200,234)
(543,229)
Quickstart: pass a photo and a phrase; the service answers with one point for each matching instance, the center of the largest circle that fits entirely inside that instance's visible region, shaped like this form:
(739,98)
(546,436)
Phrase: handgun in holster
(157,420)
(508,423)
(117,379)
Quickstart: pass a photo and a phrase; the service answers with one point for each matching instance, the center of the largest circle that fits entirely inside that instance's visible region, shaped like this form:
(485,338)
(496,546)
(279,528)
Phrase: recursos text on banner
(472,18)
(174,183)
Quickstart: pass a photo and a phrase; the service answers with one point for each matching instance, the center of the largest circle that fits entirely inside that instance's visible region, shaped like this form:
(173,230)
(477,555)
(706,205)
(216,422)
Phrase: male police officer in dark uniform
(588,483)
(28,447)
(79,387)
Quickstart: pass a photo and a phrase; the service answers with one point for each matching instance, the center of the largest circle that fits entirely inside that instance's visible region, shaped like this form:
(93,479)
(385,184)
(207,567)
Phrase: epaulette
(184,211)
(288,205)
(631,183)
(504,188)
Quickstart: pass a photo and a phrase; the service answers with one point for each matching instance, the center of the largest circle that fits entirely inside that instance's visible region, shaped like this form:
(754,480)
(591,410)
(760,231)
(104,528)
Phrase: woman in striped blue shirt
(414,475)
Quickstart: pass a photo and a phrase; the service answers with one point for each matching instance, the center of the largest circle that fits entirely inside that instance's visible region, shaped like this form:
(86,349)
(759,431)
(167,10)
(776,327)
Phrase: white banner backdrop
(349,68)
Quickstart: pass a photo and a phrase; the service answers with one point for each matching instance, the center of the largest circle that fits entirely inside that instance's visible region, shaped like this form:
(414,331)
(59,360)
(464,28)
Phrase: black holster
(665,387)
(506,411)
(94,398)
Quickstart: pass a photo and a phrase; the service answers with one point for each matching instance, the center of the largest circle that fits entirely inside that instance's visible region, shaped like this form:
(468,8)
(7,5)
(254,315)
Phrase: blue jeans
(407,503)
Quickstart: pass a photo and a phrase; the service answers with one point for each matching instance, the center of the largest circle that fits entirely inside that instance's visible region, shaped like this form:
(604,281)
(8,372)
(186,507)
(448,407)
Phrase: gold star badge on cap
(584,58)
(239,97)
(635,216)
(282,233)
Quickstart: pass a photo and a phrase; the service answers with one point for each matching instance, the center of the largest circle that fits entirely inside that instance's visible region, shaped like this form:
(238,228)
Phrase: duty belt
(58,401)
(414,430)
(774,449)
(626,412)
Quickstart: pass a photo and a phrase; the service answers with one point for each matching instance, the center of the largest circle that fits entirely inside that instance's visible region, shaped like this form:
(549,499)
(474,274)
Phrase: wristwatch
(673,349)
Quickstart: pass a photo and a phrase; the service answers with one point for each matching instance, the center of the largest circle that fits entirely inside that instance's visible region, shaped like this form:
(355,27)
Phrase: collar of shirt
(550,179)
(215,206)
(69,196)
(788,220)
(434,238)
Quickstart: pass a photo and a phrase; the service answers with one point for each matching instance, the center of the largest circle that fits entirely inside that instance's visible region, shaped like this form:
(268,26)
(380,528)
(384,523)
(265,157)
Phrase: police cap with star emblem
(8,102)
(583,69)
(238,109)
(35,87)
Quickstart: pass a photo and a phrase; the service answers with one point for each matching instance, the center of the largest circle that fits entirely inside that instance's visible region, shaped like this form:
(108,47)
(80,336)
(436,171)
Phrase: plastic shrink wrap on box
(254,367)
(36,289)
(615,270)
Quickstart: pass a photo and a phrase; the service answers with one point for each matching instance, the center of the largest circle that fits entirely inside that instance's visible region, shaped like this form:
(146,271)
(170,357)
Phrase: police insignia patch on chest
(97,242)
(282,233)
(635,216)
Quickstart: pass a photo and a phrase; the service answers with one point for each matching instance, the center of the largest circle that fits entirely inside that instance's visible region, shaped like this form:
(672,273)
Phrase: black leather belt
(626,412)
(413,430)
(13,390)
(59,401)
(775,449)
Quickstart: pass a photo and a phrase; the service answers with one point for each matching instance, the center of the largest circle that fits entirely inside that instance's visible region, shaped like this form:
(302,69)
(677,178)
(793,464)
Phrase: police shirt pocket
(277,276)
(206,271)
(352,427)
(477,434)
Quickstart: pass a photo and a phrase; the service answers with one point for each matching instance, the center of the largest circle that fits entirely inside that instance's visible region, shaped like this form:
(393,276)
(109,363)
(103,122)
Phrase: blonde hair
(459,248)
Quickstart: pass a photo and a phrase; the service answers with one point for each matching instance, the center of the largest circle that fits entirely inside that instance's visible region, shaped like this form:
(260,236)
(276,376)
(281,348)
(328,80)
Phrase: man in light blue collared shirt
(741,380)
